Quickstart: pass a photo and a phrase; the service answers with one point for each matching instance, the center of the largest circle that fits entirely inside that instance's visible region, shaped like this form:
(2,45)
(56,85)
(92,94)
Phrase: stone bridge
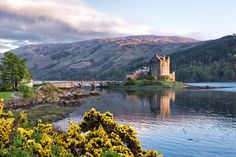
(80,84)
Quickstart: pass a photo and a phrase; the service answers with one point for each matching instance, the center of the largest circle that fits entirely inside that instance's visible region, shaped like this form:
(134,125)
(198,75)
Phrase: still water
(187,123)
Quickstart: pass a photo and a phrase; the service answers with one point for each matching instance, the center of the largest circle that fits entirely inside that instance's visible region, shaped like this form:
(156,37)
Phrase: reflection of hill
(135,105)
(207,103)
(144,107)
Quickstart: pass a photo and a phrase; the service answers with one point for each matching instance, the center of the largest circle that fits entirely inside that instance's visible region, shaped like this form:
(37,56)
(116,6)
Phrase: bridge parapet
(80,84)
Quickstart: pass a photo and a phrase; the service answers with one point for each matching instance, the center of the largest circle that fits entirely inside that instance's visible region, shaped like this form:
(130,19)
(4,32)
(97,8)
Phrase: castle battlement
(158,65)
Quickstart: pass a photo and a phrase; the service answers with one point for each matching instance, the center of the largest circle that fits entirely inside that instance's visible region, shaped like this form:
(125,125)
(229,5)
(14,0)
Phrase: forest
(211,61)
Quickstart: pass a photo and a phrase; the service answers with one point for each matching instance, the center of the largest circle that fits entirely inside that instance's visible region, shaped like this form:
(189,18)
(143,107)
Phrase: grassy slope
(6,95)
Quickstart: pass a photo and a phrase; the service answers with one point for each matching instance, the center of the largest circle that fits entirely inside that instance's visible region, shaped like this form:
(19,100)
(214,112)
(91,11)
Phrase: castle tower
(160,65)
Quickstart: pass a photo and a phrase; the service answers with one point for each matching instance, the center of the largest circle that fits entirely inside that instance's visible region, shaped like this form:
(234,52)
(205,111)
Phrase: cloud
(38,21)
(5,45)
(200,35)
(60,21)
(67,16)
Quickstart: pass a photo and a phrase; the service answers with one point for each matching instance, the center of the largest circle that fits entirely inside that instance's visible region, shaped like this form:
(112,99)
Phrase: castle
(158,65)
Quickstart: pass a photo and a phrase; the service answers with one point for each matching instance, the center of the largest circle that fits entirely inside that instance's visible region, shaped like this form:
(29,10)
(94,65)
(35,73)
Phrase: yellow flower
(94,135)
(6,124)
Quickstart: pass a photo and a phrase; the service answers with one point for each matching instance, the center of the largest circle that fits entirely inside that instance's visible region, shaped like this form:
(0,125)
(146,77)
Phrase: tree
(13,71)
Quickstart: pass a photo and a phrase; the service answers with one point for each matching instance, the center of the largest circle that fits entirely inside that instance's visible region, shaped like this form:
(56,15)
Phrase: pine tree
(13,71)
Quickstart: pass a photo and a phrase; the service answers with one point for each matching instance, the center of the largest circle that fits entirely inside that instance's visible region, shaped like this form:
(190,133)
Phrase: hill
(214,60)
(104,59)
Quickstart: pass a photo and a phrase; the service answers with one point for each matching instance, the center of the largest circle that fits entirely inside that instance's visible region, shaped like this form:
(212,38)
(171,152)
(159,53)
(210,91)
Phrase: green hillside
(213,60)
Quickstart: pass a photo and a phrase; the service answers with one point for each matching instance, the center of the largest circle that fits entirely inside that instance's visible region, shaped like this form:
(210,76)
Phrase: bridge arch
(80,84)
(101,84)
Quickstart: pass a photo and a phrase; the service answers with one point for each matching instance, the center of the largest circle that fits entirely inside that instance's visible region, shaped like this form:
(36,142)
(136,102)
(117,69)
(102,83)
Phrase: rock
(67,97)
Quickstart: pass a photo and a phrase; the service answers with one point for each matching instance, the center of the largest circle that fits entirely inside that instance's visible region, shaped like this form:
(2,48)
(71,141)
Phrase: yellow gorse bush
(96,134)
(6,124)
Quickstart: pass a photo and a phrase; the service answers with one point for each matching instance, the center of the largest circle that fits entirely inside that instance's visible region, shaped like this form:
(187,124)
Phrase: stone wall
(160,65)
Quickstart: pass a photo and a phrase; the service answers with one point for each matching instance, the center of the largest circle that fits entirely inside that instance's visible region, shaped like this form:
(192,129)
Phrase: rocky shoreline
(48,94)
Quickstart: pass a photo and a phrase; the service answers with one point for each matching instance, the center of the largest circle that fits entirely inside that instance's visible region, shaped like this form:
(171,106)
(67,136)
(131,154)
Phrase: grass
(149,85)
(6,95)
(47,112)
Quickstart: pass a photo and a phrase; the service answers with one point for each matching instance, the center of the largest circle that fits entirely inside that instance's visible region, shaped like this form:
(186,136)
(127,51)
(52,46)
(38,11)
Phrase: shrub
(48,89)
(110,154)
(26,90)
(151,77)
(97,135)
(163,78)
(130,82)
(47,92)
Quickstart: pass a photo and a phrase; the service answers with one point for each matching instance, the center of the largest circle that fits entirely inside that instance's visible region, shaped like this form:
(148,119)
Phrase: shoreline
(166,85)
(70,99)
(50,110)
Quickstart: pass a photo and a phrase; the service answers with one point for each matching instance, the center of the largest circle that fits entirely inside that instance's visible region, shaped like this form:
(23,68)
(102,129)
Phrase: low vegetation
(26,91)
(144,82)
(6,95)
(150,82)
(46,112)
(97,135)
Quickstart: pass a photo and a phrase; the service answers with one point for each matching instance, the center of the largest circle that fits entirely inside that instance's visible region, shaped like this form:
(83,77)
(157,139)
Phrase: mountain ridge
(107,58)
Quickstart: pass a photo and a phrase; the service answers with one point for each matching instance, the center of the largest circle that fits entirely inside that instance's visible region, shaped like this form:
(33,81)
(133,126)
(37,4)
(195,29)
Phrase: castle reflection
(158,102)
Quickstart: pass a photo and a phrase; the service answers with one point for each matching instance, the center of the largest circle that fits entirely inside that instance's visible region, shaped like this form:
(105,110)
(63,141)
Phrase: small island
(156,75)
(159,66)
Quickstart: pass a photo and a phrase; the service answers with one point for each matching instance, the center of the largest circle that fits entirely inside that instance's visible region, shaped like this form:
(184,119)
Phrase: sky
(24,22)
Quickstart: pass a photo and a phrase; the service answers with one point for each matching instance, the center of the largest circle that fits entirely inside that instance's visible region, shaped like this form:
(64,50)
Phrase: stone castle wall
(159,65)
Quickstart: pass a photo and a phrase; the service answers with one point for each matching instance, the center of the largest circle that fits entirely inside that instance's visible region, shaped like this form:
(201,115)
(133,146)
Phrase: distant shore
(158,85)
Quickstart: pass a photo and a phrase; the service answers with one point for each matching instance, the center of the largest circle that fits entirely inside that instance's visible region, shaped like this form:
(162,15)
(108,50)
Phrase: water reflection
(159,102)
(145,105)
(179,124)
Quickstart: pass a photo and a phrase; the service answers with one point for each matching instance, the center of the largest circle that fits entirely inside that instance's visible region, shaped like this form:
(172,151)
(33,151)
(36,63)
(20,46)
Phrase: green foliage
(150,77)
(6,95)
(172,84)
(13,71)
(211,61)
(113,84)
(163,78)
(56,150)
(17,150)
(26,90)
(140,84)
(37,136)
(156,78)
(130,82)
(97,135)
(143,82)
(119,138)
(110,154)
